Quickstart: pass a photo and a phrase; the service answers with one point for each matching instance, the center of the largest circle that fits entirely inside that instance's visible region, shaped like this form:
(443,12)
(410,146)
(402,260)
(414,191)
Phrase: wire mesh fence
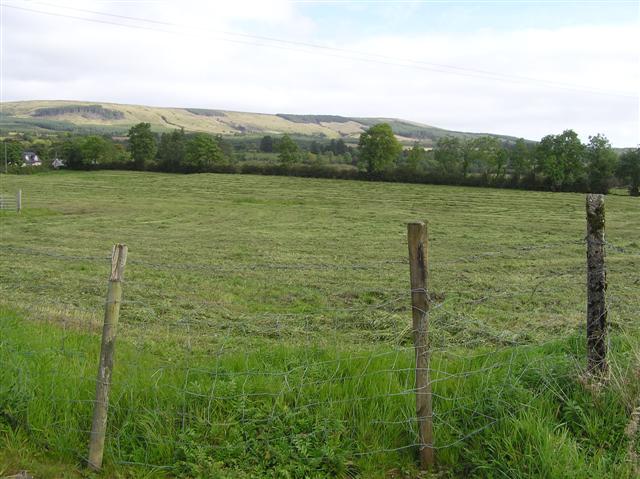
(267,367)
(11,202)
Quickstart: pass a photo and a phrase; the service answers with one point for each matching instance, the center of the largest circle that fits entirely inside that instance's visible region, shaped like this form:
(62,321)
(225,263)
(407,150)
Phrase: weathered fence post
(19,201)
(107,348)
(596,287)
(418,264)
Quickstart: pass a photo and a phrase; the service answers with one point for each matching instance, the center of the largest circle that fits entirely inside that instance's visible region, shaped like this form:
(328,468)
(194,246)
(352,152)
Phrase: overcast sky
(520,68)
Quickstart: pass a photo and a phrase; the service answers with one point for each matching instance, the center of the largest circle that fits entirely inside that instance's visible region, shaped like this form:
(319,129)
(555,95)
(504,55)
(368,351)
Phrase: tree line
(558,162)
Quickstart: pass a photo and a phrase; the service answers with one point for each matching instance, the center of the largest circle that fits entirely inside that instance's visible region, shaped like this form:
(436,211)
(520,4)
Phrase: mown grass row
(265,330)
(311,412)
(202,244)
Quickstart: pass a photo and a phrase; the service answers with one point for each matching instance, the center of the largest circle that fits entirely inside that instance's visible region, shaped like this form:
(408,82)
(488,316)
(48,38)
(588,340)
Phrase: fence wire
(239,375)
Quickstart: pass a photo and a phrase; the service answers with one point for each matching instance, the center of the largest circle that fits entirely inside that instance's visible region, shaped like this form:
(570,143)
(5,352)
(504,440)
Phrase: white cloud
(195,64)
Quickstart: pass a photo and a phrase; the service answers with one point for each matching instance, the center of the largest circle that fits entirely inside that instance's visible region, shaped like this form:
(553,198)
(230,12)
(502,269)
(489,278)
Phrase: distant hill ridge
(116,119)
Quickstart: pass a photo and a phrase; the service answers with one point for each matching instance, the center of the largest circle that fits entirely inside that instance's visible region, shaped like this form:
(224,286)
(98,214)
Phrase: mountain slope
(113,118)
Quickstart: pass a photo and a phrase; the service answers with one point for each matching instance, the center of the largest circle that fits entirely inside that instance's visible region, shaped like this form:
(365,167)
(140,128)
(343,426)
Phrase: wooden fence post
(418,264)
(19,201)
(596,287)
(107,349)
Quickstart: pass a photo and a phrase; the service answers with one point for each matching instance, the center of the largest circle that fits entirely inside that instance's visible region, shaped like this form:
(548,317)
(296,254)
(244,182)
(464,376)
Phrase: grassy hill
(113,118)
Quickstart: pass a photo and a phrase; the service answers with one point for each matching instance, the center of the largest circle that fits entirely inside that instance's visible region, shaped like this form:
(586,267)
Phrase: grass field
(266,328)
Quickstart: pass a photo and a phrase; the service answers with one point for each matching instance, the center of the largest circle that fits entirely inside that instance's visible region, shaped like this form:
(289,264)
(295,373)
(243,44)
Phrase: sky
(521,68)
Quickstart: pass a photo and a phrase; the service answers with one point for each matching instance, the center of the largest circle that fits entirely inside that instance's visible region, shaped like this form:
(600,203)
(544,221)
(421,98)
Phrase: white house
(57,163)
(30,158)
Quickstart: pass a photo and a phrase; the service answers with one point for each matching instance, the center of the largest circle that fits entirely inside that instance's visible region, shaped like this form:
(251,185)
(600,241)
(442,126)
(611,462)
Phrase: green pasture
(266,328)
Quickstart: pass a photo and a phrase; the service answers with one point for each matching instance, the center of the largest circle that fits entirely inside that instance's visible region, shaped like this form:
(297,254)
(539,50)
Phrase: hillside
(113,118)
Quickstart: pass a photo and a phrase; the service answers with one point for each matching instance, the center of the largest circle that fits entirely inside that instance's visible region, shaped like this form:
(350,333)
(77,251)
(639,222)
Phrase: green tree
(629,170)
(142,144)
(118,156)
(488,155)
(416,157)
(330,157)
(171,150)
(288,151)
(98,150)
(266,144)
(227,148)
(72,154)
(13,151)
(466,158)
(601,163)
(520,159)
(560,158)
(379,148)
(448,155)
(93,150)
(202,152)
(314,159)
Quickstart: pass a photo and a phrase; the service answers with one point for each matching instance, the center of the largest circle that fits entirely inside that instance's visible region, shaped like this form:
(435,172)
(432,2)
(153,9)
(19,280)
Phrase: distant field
(483,241)
(250,273)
